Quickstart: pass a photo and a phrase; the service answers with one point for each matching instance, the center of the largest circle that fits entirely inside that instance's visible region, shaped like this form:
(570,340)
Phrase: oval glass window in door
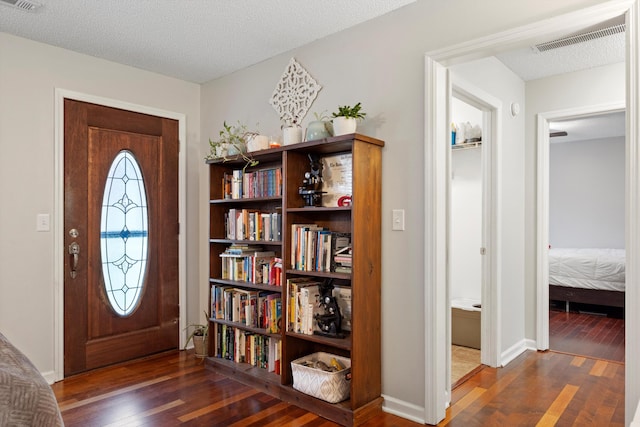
(124,226)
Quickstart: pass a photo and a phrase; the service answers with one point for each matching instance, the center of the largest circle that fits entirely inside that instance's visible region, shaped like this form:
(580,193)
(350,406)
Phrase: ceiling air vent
(27,5)
(579,38)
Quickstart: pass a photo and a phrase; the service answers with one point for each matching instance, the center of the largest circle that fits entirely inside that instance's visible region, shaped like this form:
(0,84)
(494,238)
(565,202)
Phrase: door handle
(74,251)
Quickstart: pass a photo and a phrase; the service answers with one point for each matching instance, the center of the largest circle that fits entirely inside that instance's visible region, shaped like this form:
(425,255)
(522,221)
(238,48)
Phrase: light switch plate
(397,219)
(43,222)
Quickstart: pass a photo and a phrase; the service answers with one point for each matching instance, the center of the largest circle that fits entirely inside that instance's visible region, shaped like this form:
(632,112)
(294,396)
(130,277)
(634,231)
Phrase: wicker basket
(332,387)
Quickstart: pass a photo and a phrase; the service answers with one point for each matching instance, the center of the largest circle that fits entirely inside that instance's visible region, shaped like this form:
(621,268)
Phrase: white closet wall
(466,211)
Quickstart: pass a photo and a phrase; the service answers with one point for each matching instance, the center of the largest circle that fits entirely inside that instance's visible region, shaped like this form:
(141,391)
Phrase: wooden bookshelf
(362,219)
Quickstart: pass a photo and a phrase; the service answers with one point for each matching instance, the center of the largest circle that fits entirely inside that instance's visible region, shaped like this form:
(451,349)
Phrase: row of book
(241,184)
(314,248)
(304,302)
(246,347)
(254,309)
(245,224)
(250,263)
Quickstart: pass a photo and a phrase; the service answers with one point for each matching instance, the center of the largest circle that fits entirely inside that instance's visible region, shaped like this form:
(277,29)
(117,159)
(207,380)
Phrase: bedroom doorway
(585,156)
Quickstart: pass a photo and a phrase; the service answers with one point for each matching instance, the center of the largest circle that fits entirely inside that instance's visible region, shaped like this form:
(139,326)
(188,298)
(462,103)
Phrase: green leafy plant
(197,330)
(321,117)
(232,138)
(352,112)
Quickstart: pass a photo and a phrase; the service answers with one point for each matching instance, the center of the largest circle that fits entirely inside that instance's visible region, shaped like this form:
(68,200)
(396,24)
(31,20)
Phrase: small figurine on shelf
(312,183)
(329,323)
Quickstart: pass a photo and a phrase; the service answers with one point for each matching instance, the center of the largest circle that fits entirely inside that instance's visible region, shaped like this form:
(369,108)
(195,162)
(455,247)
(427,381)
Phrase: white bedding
(587,268)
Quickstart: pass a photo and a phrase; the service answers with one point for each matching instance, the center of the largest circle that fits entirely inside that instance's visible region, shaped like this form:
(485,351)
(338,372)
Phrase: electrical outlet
(397,219)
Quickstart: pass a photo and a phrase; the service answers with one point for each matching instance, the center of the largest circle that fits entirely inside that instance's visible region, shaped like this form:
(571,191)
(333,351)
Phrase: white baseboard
(49,376)
(516,350)
(403,409)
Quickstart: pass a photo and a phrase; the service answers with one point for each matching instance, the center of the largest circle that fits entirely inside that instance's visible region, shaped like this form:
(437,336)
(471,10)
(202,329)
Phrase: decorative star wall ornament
(294,94)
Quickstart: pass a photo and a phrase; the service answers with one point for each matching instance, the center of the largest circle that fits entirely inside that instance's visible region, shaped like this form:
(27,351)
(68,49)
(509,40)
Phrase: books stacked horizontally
(250,263)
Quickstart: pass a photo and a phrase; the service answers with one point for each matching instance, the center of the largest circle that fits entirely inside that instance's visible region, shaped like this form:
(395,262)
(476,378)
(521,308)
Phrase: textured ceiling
(531,65)
(193,40)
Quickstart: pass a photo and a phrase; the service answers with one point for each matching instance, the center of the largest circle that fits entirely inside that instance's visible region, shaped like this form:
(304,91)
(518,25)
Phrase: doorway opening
(465,238)
(586,234)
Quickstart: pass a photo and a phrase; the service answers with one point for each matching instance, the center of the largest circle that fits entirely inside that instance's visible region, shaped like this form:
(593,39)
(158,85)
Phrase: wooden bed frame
(587,296)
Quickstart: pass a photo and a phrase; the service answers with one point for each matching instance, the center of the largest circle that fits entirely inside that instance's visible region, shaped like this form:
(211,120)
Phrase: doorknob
(74,251)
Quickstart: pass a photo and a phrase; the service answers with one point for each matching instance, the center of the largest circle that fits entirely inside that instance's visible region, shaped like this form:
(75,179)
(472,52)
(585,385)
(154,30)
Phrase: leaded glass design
(124,234)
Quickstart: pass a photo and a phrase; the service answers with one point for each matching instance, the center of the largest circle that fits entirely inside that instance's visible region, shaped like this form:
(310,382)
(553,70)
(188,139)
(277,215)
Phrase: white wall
(29,74)
(586,194)
(596,86)
(465,237)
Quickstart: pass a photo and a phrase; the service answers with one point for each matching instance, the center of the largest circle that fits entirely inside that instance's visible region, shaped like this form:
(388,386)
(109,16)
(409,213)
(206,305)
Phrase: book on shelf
(310,247)
(341,252)
(303,295)
(248,263)
(250,308)
(242,184)
(342,294)
(242,346)
(247,224)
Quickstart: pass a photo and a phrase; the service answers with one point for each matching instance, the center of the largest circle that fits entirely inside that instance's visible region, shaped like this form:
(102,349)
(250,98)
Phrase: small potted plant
(319,128)
(231,143)
(345,119)
(199,335)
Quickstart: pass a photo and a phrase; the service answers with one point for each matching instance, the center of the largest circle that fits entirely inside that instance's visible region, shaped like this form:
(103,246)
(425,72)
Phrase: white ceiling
(193,40)
(601,126)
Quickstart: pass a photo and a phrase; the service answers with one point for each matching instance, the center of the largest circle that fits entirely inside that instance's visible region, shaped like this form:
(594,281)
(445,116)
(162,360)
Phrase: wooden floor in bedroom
(587,334)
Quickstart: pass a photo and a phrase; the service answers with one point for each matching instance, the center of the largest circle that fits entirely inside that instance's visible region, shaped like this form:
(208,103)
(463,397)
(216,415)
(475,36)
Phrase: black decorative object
(329,323)
(312,183)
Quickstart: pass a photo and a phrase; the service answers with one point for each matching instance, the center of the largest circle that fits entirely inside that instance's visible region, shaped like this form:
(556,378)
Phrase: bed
(589,276)
(25,397)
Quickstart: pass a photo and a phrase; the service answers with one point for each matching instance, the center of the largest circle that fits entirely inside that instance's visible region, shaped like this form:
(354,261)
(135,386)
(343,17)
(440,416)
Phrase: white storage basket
(332,387)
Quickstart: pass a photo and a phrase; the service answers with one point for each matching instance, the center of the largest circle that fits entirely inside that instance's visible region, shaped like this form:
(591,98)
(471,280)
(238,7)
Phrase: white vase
(257,143)
(344,125)
(291,135)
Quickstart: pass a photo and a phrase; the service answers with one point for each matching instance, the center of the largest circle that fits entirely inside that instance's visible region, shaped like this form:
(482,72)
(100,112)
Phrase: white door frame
(542,204)
(58,211)
(437,135)
(491,141)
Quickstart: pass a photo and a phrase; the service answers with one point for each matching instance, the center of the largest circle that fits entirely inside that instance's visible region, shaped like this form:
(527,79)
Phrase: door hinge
(483,251)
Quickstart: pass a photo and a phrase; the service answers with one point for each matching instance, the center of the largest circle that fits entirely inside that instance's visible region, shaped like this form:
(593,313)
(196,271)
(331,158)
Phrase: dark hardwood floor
(585,334)
(175,389)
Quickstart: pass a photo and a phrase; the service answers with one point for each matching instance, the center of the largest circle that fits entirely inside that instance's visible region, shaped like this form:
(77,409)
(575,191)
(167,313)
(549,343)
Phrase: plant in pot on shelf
(345,119)
(319,128)
(231,144)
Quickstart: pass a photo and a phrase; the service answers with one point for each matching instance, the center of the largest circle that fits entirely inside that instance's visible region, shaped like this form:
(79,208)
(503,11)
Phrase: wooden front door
(121,235)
